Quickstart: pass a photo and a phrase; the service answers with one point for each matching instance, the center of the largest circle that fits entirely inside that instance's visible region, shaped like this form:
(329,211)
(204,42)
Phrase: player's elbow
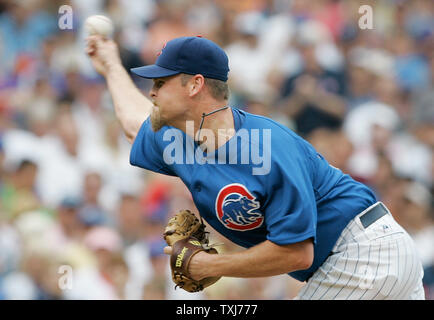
(305,262)
(131,128)
(296,256)
(304,256)
(130,136)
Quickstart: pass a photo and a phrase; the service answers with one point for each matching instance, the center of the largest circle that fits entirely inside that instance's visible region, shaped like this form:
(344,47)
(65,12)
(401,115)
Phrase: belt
(373,215)
(366,219)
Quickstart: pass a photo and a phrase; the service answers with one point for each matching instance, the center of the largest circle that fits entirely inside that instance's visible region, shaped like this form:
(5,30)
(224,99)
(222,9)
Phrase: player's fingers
(168,250)
(94,37)
(90,44)
(94,41)
(90,41)
(90,49)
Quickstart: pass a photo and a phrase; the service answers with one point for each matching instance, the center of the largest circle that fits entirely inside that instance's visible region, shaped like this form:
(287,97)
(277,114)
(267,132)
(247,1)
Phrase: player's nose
(153,93)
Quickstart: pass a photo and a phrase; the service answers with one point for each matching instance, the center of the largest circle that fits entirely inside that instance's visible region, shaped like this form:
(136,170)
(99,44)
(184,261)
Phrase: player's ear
(196,84)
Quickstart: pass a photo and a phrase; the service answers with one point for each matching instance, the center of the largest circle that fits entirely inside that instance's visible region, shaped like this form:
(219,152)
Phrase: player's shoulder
(254,121)
(281,138)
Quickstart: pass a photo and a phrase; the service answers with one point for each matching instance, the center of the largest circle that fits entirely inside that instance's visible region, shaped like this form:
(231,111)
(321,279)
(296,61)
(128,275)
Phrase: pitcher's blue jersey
(292,196)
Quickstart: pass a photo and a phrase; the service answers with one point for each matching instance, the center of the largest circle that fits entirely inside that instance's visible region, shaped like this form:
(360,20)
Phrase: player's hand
(168,250)
(194,269)
(103,53)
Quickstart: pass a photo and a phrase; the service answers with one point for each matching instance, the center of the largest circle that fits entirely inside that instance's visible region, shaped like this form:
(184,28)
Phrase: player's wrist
(200,266)
(113,68)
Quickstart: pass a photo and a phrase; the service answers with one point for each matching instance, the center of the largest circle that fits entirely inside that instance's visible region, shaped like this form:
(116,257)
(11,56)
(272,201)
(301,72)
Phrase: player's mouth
(155,108)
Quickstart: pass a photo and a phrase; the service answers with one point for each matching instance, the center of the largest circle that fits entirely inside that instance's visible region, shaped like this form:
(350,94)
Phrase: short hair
(219,89)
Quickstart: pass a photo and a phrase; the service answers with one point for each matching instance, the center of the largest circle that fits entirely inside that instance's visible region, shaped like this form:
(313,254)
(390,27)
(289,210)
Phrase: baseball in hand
(100,25)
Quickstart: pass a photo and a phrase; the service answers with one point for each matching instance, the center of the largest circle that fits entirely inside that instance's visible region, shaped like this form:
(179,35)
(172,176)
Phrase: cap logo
(161,51)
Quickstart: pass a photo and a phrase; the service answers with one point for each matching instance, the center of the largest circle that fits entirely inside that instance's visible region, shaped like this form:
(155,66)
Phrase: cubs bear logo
(237,208)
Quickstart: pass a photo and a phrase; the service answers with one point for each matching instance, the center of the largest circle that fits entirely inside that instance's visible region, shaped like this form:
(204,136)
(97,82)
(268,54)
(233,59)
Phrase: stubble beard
(156,121)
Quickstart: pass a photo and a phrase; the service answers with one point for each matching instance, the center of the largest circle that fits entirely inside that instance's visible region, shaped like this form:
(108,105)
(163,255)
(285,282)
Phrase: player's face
(168,96)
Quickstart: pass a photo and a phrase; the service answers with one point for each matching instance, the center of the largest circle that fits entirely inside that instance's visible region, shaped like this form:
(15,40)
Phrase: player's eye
(158,84)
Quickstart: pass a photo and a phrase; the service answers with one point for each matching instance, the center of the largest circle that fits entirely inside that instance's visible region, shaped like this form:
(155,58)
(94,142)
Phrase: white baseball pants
(376,262)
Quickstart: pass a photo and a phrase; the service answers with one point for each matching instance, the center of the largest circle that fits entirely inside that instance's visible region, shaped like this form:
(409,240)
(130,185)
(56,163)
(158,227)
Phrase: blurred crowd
(68,196)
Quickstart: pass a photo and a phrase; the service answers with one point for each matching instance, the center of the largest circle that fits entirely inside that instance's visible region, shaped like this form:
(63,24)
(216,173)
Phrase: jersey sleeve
(290,211)
(147,150)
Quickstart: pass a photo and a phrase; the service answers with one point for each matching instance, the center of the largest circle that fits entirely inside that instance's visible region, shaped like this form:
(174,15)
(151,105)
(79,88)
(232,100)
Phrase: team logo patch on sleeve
(237,208)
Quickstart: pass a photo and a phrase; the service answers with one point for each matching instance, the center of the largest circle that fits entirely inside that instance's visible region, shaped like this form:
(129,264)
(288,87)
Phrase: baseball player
(296,214)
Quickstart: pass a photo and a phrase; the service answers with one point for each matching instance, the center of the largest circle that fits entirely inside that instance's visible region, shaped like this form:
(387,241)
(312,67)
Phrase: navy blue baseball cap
(191,55)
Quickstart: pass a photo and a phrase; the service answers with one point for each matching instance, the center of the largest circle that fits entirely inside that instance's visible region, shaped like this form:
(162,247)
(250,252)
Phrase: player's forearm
(265,259)
(131,106)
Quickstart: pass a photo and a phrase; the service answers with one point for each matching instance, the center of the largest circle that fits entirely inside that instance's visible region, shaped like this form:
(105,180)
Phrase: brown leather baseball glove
(187,236)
